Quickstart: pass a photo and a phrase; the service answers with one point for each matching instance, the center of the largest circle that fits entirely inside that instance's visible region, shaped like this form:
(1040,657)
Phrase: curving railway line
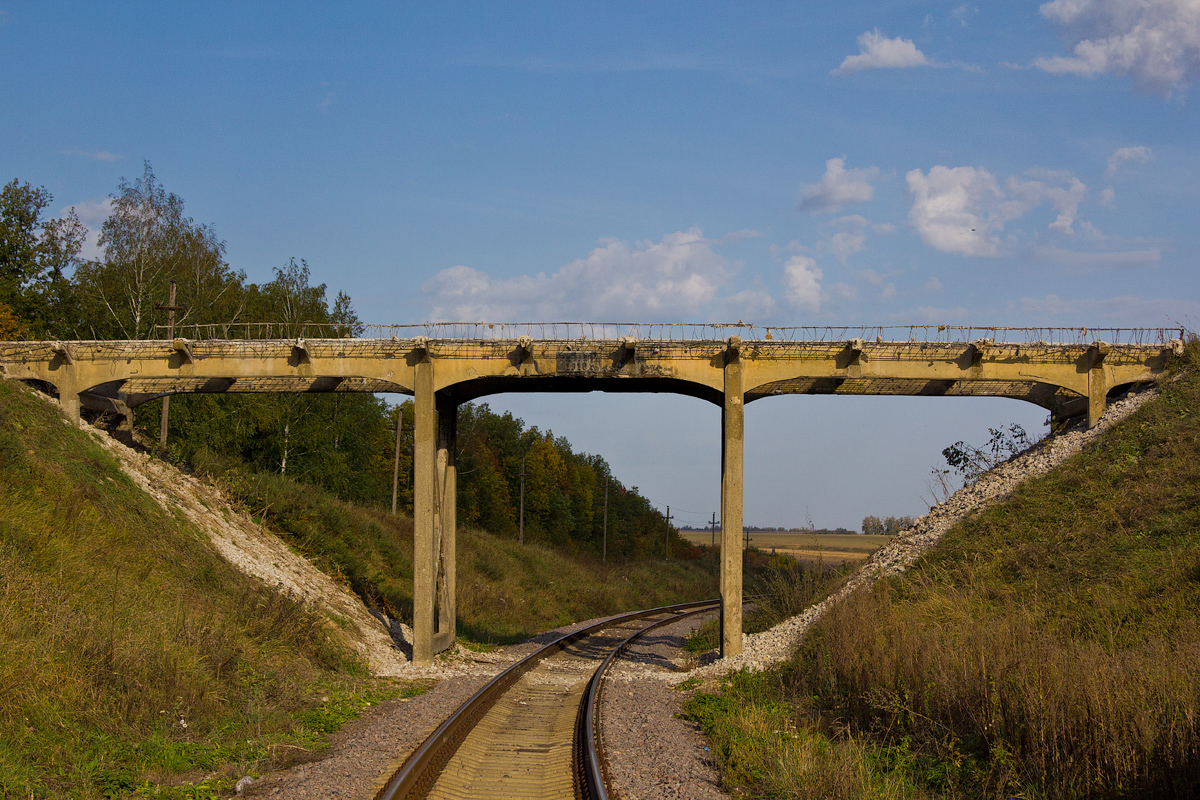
(534,730)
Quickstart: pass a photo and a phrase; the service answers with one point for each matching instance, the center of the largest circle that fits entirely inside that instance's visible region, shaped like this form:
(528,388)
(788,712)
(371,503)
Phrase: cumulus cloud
(876,51)
(802,283)
(1141,154)
(1155,41)
(670,279)
(964,209)
(1107,195)
(838,187)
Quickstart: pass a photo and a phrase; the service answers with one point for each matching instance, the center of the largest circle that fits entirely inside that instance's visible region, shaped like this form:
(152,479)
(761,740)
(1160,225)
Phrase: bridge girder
(114,377)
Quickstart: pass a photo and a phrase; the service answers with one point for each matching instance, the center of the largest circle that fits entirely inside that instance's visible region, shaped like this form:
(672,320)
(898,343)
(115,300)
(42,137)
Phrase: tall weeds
(1049,647)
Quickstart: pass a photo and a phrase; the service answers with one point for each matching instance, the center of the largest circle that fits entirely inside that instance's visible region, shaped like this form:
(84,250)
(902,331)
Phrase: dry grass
(1050,647)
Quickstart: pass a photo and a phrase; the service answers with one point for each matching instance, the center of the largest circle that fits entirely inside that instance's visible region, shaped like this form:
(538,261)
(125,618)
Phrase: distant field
(832,548)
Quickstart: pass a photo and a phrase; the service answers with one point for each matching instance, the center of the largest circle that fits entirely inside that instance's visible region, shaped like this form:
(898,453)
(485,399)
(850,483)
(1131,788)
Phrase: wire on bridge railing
(674,332)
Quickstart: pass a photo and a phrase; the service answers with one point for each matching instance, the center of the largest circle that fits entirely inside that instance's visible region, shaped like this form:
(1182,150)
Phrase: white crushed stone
(761,650)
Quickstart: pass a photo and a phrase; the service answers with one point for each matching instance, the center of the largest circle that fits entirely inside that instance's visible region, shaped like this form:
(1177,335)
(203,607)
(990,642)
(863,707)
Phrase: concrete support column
(424,491)
(447,499)
(1097,383)
(68,400)
(732,435)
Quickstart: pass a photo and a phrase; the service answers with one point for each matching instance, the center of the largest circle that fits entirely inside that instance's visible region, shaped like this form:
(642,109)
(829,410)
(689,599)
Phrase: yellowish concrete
(1067,379)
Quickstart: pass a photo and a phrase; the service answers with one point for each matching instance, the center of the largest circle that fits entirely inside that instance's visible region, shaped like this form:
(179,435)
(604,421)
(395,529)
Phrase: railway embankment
(173,633)
(1037,634)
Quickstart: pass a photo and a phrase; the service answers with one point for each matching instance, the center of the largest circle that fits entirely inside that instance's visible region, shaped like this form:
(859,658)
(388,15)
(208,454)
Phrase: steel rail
(416,775)
(593,759)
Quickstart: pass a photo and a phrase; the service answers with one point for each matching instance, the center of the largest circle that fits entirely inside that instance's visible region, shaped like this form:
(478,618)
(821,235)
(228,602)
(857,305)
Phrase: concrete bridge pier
(435,485)
(733,415)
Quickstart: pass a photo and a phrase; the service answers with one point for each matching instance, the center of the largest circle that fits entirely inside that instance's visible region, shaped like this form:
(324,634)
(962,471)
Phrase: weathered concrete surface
(1066,379)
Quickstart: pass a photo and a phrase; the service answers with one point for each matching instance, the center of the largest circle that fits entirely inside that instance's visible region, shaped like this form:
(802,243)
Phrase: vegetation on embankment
(1049,647)
(507,592)
(129,651)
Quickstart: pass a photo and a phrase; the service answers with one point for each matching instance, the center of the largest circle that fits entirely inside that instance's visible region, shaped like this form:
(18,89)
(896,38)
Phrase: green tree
(147,243)
(35,255)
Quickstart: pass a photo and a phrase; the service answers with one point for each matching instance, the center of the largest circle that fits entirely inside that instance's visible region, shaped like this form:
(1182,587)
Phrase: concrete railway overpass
(1068,371)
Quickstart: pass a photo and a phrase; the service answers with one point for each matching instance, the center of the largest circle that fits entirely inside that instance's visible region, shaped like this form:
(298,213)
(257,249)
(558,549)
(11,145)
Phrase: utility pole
(521,529)
(667,540)
(604,556)
(396,466)
(170,308)
(714,535)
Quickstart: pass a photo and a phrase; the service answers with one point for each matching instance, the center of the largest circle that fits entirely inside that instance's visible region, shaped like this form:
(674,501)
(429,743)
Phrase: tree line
(887,526)
(343,442)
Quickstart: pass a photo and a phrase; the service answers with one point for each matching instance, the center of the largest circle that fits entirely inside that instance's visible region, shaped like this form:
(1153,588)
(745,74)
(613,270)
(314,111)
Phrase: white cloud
(887,290)
(671,279)
(752,304)
(1127,310)
(1066,202)
(838,187)
(934,314)
(1112,259)
(843,291)
(876,51)
(849,238)
(1107,195)
(1155,41)
(92,214)
(961,13)
(964,209)
(97,155)
(933,285)
(957,210)
(1141,154)
(802,283)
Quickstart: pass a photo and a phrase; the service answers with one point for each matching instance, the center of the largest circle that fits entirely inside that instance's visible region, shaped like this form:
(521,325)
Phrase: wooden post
(170,308)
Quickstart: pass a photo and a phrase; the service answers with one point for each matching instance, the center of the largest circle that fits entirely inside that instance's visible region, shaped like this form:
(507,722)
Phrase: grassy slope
(506,592)
(119,623)
(1049,647)
(128,648)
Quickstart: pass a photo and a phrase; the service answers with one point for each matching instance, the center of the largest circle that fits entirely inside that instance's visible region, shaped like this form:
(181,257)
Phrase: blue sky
(786,164)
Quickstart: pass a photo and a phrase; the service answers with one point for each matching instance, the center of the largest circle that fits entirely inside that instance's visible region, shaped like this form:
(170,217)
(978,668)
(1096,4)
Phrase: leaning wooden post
(424,486)
(732,433)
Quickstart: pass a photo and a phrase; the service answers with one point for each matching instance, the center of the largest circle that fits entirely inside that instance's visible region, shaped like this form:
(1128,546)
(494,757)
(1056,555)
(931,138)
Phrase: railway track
(533,730)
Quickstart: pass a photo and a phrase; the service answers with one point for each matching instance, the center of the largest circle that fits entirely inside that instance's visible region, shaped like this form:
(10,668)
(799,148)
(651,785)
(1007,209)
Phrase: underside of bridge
(441,374)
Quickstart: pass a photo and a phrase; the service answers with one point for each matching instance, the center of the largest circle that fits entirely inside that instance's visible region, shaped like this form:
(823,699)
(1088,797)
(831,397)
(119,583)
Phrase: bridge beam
(733,413)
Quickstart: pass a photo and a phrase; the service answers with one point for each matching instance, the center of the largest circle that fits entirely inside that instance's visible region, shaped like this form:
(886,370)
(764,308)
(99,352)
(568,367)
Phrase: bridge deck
(1071,377)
